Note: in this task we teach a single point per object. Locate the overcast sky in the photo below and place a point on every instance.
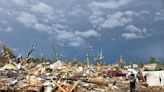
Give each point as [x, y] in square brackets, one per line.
[132, 28]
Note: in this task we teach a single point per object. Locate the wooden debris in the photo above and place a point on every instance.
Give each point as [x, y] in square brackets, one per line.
[75, 85]
[58, 85]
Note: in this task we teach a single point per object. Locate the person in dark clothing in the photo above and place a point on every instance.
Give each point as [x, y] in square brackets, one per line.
[132, 83]
[140, 77]
[114, 82]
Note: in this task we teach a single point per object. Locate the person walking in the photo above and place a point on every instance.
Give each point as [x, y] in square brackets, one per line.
[132, 83]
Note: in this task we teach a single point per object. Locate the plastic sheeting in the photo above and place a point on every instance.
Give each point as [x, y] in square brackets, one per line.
[161, 75]
[154, 78]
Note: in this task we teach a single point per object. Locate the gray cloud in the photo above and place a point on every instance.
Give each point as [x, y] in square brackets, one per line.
[42, 27]
[27, 19]
[109, 4]
[134, 29]
[74, 39]
[118, 19]
[135, 32]
[31, 21]
[159, 16]
[21, 2]
[42, 8]
[77, 10]
[69, 38]
[88, 33]
[102, 17]
[7, 29]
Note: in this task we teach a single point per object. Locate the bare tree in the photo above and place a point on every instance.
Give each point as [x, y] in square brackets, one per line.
[55, 48]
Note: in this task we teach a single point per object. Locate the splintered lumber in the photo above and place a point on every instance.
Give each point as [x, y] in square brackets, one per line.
[85, 80]
[58, 85]
[75, 85]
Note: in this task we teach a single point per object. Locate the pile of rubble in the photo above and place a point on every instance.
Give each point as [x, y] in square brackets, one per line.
[55, 77]
[23, 74]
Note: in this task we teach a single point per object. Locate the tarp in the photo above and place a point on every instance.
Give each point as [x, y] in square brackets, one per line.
[154, 78]
[161, 74]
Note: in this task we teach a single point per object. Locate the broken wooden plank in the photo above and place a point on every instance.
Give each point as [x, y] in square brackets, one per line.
[58, 85]
[75, 85]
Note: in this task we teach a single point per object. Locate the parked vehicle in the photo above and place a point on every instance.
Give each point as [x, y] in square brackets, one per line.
[116, 73]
